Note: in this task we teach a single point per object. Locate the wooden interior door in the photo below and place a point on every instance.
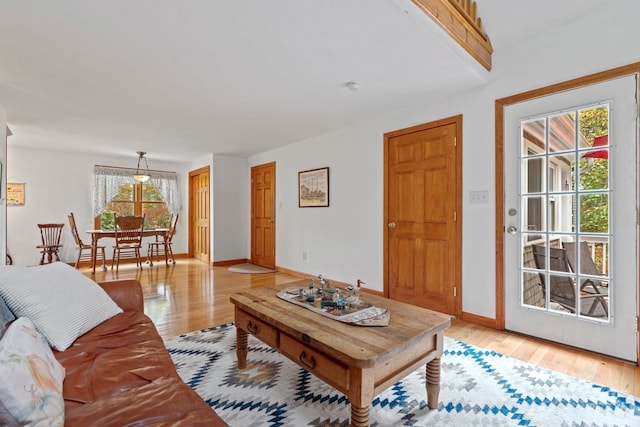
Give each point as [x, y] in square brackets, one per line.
[263, 226]
[199, 218]
[423, 215]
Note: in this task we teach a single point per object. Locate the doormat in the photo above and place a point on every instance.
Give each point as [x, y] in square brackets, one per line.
[249, 268]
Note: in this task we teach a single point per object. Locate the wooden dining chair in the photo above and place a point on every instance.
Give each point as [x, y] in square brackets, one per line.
[128, 236]
[162, 244]
[50, 241]
[84, 249]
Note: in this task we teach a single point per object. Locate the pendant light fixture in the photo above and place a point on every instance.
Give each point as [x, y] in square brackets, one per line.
[141, 176]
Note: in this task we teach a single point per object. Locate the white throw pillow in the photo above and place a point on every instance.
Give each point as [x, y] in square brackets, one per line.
[31, 387]
[61, 302]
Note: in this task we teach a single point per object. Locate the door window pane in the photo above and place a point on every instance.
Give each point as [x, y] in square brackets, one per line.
[594, 213]
[535, 213]
[560, 172]
[535, 178]
[533, 136]
[532, 290]
[562, 132]
[594, 172]
[561, 208]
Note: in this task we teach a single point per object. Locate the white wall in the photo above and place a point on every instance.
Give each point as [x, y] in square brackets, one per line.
[345, 241]
[342, 241]
[57, 183]
[231, 208]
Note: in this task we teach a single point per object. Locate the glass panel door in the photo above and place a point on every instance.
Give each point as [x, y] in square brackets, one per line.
[570, 194]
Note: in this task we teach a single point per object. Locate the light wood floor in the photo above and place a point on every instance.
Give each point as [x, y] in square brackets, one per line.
[192, 296]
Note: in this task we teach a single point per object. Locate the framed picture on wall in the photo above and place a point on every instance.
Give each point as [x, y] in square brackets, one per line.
[15, 194]
[313, 188]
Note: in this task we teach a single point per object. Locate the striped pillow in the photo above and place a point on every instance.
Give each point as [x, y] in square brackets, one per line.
[61, 302]
[6, 317]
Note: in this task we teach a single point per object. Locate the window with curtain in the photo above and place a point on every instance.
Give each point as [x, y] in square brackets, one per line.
[115, 192]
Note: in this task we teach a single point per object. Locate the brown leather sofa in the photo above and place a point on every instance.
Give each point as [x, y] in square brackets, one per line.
[120, 373]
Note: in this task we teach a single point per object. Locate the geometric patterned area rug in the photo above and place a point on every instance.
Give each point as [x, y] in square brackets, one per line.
[478, 388]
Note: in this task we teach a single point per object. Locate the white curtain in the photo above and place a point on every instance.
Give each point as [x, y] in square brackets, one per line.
[107, 181]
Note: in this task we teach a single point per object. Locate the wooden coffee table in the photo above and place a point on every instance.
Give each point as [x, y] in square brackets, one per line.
[358, 361]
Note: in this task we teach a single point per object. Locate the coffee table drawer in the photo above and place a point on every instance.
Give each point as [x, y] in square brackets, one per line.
[257, 328]
[329, 370]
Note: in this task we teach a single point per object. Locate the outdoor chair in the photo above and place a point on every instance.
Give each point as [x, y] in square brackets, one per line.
[587, 265]
[84, 249]
[50, 241]
[562, 289]
[128, 235]
[162, 244]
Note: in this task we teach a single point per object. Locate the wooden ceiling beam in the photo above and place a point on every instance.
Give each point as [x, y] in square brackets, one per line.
[460, 19]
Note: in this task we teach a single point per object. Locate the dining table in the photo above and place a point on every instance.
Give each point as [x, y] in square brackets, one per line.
[96, 235]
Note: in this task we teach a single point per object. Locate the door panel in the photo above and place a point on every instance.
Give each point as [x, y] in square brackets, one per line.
[199, 208]
[560, 219]
[422, 234]
[263, 244]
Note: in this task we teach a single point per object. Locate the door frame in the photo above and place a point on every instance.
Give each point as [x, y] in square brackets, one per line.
[500, 105]
[190, 251]
[457, 120]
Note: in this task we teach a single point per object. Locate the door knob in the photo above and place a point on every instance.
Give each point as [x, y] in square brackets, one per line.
[512, 230]
[392, 225]
[270, 220]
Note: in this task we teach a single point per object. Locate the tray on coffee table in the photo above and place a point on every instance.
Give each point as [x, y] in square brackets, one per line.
[355, 312]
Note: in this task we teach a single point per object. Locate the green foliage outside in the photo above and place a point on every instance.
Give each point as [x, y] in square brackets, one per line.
[594, 208]
[153, 207]
[594, 175]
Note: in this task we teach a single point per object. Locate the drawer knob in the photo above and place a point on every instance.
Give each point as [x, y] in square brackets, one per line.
[251, 327]
[311, 363]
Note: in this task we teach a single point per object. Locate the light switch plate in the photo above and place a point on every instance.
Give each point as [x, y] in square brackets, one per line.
[478, 197]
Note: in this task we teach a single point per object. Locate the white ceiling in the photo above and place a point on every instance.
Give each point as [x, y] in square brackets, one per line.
[182, 79]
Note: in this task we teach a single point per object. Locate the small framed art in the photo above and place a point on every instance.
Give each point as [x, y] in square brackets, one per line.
[313, 188]
[15, 194]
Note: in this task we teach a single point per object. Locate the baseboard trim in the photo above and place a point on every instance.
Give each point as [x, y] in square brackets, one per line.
[335, 283]
[372, 292]
[229, 262]
[302, 275]
[480, 320]
[294, 273]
